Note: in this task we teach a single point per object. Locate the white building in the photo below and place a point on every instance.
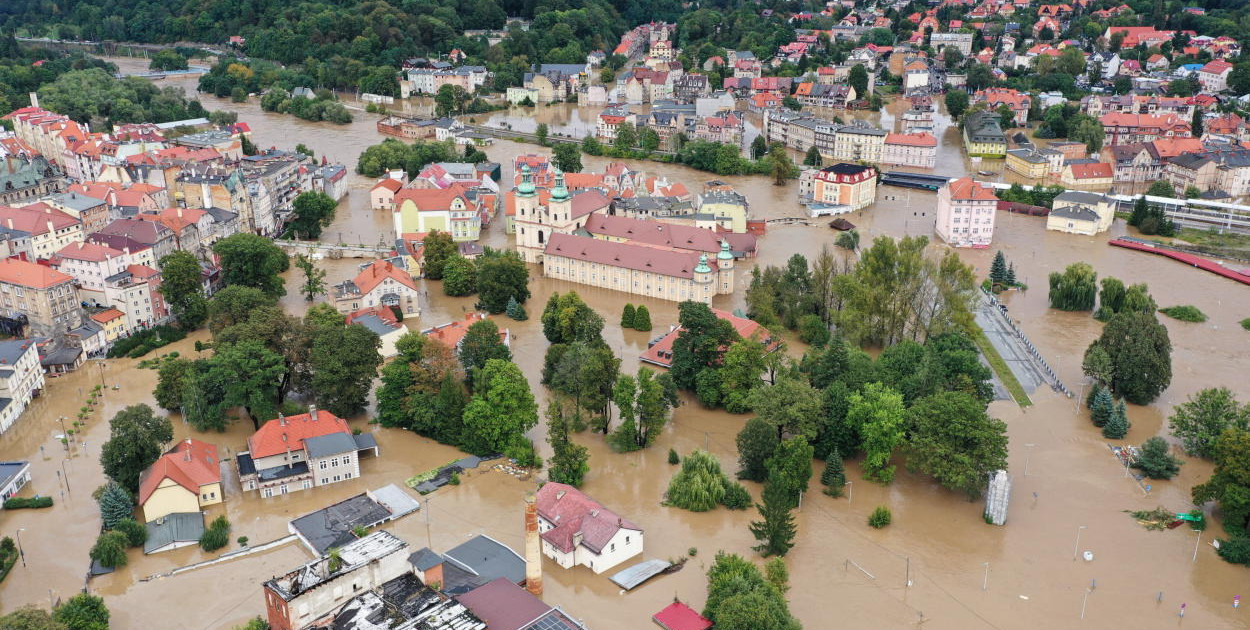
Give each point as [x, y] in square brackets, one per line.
[577, 530]
[965, 213]
[13, 476]
[90, 264]
[21, 379]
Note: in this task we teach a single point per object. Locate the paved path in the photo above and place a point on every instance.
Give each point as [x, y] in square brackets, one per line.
[1003, 337]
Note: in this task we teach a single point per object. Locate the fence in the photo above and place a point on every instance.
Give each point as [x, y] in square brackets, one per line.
[1051, 376]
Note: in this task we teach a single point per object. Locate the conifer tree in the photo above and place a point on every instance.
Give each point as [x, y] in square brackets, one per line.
[642, 318]
[1103, 408]
[998, 269]
[515, 310]
[1011, 275]
[777, 529]
[628, 316]
[834, 477]
[1117, 427]
[115, 505]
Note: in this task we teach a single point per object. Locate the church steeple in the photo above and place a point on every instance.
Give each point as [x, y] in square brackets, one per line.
[559, 193]
[526, 189]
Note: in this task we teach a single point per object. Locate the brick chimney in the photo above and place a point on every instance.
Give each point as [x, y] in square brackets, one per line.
[312, 412]
[533, 549]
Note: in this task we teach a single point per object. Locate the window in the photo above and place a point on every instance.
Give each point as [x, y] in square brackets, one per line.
[613, 547]
[347, 459]
[334, 461]
[322, 464]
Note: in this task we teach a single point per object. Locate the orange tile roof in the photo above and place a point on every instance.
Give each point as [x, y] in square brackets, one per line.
[911, 139]
[968, 189]
[282, 434]
[451, 333]
[393, 185]
[88, 251]
[107, 316]
[1096, 170]
[431, 199]
[191, 464]
[30, 275]
[378, 272]
[662, 352]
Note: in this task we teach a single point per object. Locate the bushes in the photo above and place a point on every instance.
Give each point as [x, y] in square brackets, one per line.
[145, 341]
[1236, 550]
[19, 503]
[700, 486]
[1185, 314]
[736, 496]
[673, 457]
[110, 549]
[217, 535]
[642, 318]
[135, 533]
[880, 517]
[1155, 460]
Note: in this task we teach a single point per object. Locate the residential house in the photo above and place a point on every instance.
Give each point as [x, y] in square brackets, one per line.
[23, 178]
[382, 195]
[726, 128]
[186, 479]
[834, 96]
[382, 321]
[910, 149]
[660, 352]
[688, 88]
[452, 333]
[136, 293]
[1130, 128]
[37, 301]
[1017, 102]
[112, 322]
[851, 185]
[1191, 170]
[965, 213]
[1157, 62]
[859, 142]
[147, 242]
[380, 283]
[92, 212]
[728, 209]
[13, 477]
[1214, 76]
[1028, 163]
[1086, 174]
[916, 75]
[577, 530]
[90, 263]
[959, 41]
[295, 453]
[39, 230]
[1079, 212]
[449, 210]
[983, 135]
[21, 380]
[1134, 35]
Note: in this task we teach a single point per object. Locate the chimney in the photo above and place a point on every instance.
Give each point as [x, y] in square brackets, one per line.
[281, 420]
[533, 550]
[312, 412]
[34, 99]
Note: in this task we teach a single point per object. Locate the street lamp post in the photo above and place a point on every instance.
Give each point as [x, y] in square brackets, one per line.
[1027, 454]
[64, 433]
[66, 475]
[1197, 541]
[102, 365]
[985, 583]
[1078, 541]
[20, 552]
[849, 496]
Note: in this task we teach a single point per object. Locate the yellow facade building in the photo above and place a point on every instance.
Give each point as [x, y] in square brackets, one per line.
[184, 480]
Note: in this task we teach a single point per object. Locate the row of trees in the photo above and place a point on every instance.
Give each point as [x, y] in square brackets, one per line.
[498, 276]
[322, 106]
[80, 612]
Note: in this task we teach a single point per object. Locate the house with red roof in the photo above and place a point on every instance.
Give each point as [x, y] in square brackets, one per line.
[1134, 35]
[186, 479]
[288, 454]
[452, 333]
[678, 616]
[46, 228]
[453, 209]
[1214, 76]
[1085, 174]
[661, 352]
[44, 298]
[1016, 101]
[965, 213]
[577, 530]
[380, 283]
[382, 195]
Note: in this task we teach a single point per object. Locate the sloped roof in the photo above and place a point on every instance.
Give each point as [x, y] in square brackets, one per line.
[659, 233]
[968, 189]
[638, 256]
[28, 274]
[280, 434]
[1096, 170]
[373, 275]
[190, 463]
[88, 251]
[572, 512]
[678, 616]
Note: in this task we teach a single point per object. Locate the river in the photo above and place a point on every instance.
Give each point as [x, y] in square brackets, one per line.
[938, 538]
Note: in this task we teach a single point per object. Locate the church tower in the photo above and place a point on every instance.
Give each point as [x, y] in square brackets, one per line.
[725, 268]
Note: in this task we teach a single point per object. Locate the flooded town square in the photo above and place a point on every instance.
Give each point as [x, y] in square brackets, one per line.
[938, 566]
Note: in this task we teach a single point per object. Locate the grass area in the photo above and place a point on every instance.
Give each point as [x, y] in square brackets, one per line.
[1185, 313]
[1245, 323]
[1000, 367]
[1211, 238]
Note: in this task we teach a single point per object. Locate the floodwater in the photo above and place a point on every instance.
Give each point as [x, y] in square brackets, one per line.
[938, 538]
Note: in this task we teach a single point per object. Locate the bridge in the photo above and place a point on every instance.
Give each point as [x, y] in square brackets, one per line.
[921, 181]
[316, 249]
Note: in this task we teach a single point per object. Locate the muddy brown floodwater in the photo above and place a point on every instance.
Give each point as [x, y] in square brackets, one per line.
[938, 538]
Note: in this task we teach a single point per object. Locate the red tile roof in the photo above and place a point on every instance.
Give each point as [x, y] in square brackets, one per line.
[968, 189]
[662, 352]
[432, 199]
[637, 256]
[504, 605]
[30, 275]
[678, 616]
[451, 333]
[393, 185]
[280, 434]
[911, 139]
[571, 512]
[1096, 170]
[37, 218]
[191, 464]
[379, 271]
[88, 251]
[107, 316]
[671, 235]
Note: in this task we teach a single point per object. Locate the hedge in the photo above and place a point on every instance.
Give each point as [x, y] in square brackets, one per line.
[18, 503]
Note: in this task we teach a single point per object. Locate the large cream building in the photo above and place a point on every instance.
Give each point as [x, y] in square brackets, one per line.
[661, 272]
[535, 223]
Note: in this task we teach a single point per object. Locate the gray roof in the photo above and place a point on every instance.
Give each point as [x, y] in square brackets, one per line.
[327, 445]
[179, 527]
[11, 351]
[221, 215]
[76, 201]
[364, 441]
[1076, 196]
[332, 526]
[1028, 155]
[375, 324]
[1075, 212]
[424, 558]
[9, 470]
[488, 559]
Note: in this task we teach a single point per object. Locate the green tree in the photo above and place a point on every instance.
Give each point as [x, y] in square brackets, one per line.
[642, 318]
[115, 505]
[701, 342]
[439, 249]
[480, 345]
[813, 158]
[344, 362]
[515, 310]
[110, 550]
[135, 533]
[566, 318]
[541, 133]
[170, 382]
[312, 212]
[586, 372]
[858, 79]
[136, 439]
[776, 530]
[182, 286]
[740, 597]
[792, 406]
[1203, 417]
[30, 618]
[1117, 426]
[998, 268]
[627, 316]
[1087, 129]
[235, 305]
[879, 413]
[501, 276]
[956, 102]
[1155, 460]
[645, 401]
[956, 442]
[780, 165]
[167, 60]
[450, 100]
[460, 276]
[626, 137]
[1075, 289]
[253, 375]
[699, 486]
[790, 468]
[569, 461]
[567, 157]
[83, 611]
[502, 409]
[759, 147]
[1161, 188]
[1196, 123]
[834, 476]
[414, 384]
[591, 146]
[1102, 409]
[1097, 365]
[1230, 482]
[757, 442]
[314, 278]
[252, 261]
[648, 139]
[740, 374]
[1141, 356]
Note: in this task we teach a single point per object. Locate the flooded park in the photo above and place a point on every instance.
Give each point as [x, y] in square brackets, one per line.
[938, 565]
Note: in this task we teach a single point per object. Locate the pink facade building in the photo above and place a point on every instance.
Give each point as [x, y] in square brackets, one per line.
[965, 213]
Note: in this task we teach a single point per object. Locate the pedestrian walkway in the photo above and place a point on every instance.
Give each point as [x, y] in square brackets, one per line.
[1021, 356]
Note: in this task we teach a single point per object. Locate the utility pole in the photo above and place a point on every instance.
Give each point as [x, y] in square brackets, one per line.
[428, 538]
